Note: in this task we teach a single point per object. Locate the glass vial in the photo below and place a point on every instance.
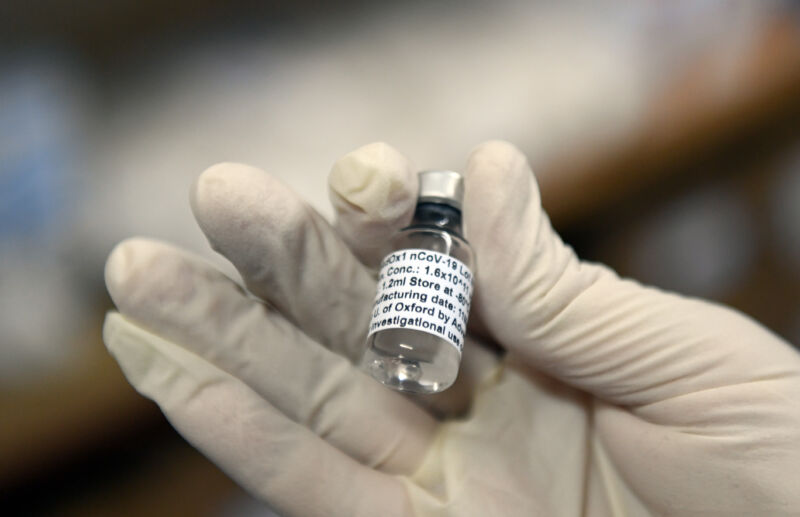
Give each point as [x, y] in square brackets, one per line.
[419, 317]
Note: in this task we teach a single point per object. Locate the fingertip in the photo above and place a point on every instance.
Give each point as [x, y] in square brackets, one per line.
[217, 193]
[157, 367]
[375, 180]
[124, 342]
[123, 266]
[144, 275]
[493, 149]
[240, 207]
[111, 329]
[373, 191]
[497, 164]
[500, 193]
[130, 346]
[116, 268]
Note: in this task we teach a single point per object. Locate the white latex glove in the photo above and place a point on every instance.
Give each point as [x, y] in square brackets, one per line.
[613, 398]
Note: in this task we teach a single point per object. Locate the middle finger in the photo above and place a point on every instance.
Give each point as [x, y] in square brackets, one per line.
[287, 254]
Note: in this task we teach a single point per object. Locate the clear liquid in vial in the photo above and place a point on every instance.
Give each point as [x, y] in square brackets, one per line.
[413, 360]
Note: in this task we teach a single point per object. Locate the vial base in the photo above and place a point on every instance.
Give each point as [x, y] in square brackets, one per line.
[411, 360]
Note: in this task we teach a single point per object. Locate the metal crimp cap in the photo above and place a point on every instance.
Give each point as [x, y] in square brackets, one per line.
[445, 187]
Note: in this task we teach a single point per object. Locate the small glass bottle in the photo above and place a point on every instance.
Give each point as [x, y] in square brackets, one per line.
[419, 317]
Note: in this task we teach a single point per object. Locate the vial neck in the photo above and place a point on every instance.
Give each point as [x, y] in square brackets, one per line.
[439, 216]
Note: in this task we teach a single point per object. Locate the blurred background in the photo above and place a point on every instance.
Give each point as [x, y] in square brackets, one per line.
[665, 138]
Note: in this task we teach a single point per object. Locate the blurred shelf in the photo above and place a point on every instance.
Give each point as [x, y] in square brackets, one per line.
[696, 115]
[104, 30]
[86, 443]
[56, 420]
[178, 482]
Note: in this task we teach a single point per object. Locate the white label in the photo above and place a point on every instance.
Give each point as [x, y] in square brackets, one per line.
[423, 290]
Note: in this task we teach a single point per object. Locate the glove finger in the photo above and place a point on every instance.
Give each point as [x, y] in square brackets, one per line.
[286, 253]
[581, 323]
[188, 302]
[373, 191]
[271, 456]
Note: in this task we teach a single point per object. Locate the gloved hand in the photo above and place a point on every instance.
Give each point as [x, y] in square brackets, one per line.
[612, 399]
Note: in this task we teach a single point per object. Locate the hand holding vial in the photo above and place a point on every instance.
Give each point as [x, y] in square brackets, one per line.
[607, 397]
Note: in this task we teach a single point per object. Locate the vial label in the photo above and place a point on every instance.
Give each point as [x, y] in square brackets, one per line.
[423, 290]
